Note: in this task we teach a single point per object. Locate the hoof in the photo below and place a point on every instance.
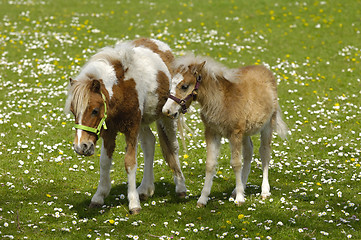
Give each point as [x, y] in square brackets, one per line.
[95, 205]
[265, 196]
[200, 205]
[134, 211]
[143, 197]
[182, 194]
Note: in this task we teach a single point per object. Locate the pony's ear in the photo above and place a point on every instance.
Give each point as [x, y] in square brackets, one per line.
[95, 86]
[71, 81]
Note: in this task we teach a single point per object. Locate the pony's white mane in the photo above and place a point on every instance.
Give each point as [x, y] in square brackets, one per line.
[213, 69]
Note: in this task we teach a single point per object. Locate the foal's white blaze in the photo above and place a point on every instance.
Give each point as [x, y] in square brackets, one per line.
[171, 107]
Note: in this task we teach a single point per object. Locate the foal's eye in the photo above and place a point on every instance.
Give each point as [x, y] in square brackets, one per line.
[95, 111]
[185, 86]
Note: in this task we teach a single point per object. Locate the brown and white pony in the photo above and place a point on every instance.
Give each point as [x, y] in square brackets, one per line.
[235, 103]
[123, 89]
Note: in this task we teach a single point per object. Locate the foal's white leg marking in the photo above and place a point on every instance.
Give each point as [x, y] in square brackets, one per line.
[104, 182]
[147, 142]
[167, 131]
[213, 145]
[265, 153]
[236, 163]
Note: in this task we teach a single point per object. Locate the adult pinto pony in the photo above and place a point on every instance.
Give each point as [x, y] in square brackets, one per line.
[235, 103]
[123, 89]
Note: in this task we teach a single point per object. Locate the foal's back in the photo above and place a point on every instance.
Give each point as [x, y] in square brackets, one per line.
[252, 98]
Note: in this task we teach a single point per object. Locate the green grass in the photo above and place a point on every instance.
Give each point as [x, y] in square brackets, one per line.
[313, 47]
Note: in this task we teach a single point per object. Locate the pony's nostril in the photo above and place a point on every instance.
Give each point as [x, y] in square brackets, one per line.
[175, 115]
[84, 146]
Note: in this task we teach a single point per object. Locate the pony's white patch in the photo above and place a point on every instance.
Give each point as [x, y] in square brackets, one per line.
[161, 45]
[101, 70]
[143, 65]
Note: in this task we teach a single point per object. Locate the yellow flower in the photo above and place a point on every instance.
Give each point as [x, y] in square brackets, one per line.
[48, 195]
[111, 221]
[185, 156]
[240, 216]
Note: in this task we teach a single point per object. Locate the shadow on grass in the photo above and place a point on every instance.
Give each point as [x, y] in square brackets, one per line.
[118, 199]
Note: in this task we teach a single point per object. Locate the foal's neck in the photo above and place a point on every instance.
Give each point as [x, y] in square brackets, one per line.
[210, 91]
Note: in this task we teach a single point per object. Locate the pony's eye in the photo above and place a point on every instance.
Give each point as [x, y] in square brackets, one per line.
[185, 86]
[95, 111]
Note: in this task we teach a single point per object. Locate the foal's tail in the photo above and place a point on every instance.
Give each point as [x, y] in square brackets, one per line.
[280, 126]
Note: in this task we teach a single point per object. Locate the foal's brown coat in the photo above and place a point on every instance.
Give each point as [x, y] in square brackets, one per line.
[235, 103]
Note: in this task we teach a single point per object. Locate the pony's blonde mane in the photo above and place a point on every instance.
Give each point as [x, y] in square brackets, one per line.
[211, 69]
[78, 97]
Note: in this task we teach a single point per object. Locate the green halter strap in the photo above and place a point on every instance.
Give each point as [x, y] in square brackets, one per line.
[101, 123]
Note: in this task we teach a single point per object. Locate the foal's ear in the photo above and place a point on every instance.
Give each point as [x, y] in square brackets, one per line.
[200, 66]
[71, 81]
[95, 86]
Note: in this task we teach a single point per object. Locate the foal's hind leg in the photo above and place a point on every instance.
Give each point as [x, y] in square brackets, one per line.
[247, 151]
[147, 142]
[167, 131]
[236, 163]
[265, 153]
[104, 186]
[213, 141]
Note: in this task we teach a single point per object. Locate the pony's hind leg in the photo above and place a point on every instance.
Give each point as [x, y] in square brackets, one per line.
[236, 163]
[213, 141]
[247, 151]
[147, 142]
[265, 153]
[167, 131]
[104, 186]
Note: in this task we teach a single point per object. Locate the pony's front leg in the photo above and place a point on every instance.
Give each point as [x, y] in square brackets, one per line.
[130, 163]
[104, 186]
[213, 141]
[147, 142]
[236, 163]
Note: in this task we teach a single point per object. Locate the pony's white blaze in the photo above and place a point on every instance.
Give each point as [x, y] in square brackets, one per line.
[171, 107]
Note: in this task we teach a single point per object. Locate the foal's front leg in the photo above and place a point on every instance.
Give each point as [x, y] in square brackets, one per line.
[104, 186]
[213, 141]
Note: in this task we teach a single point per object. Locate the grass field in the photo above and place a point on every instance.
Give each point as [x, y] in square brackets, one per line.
[313, 48]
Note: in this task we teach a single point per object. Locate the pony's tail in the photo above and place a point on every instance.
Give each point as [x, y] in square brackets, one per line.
[281, 126]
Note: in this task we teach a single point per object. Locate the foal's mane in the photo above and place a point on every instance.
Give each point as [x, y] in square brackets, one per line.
[211, 69]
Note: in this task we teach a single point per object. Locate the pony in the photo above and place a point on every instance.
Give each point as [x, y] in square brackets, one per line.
[236, 104]
[123, 89]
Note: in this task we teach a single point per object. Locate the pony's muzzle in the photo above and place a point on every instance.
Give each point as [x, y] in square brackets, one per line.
[86, 149]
